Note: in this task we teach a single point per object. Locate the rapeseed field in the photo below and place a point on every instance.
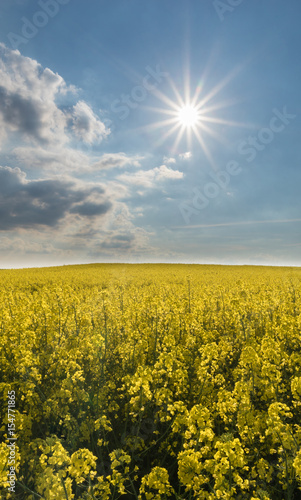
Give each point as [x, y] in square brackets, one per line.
[150, 382]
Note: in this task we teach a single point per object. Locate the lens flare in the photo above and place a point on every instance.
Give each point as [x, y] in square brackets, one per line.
[188, 116]
[193, 115]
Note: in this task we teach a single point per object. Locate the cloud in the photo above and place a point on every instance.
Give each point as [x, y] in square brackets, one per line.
[53, 213]
[27, 99]
[90, 209]
[59, 159]
[118, 243]
[116, 160]
[85, 124]
[21, 114]
[28, 104]
[149, 178]
[45, 202]
[169, 160]
[123, 241]
[185, 156]
[163, 173]
[117, 237]
[65, 159]
[22, 246]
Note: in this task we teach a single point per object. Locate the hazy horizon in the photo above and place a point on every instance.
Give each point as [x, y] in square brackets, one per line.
[147, 263]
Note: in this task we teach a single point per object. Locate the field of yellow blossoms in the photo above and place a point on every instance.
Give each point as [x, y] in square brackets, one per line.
[150, 382]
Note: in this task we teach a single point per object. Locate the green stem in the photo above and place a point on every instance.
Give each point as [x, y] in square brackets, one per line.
[66, 494]
[27, 489]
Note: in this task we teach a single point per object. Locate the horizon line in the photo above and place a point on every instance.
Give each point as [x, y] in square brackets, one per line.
[149, 263]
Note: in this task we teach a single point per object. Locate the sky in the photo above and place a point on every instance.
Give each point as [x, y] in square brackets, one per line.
[150, 131]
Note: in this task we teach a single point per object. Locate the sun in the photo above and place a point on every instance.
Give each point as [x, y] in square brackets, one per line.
[188, 116]
[193, 115]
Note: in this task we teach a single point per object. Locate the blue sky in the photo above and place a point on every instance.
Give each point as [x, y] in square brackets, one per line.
[97, 162]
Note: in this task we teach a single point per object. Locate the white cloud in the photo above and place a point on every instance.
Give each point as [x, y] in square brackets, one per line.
[55, 160]
[185, 156]
[65, 159]
[116, 160]
[169, 160]
[86, 126]
[164, 172]
[149, 178]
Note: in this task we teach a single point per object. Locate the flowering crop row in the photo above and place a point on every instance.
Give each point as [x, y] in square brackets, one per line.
[151, 382]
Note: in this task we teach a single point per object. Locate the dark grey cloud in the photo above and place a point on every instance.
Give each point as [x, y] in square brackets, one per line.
[46, 202]
[21, 113]
[90, 209]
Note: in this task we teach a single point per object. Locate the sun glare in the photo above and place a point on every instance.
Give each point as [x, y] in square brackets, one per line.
[188, 116]
[193, 116]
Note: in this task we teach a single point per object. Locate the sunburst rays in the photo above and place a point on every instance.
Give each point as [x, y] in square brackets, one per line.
[193, 117]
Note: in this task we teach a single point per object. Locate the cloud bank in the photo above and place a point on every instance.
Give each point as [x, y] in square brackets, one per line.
[28, 104]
